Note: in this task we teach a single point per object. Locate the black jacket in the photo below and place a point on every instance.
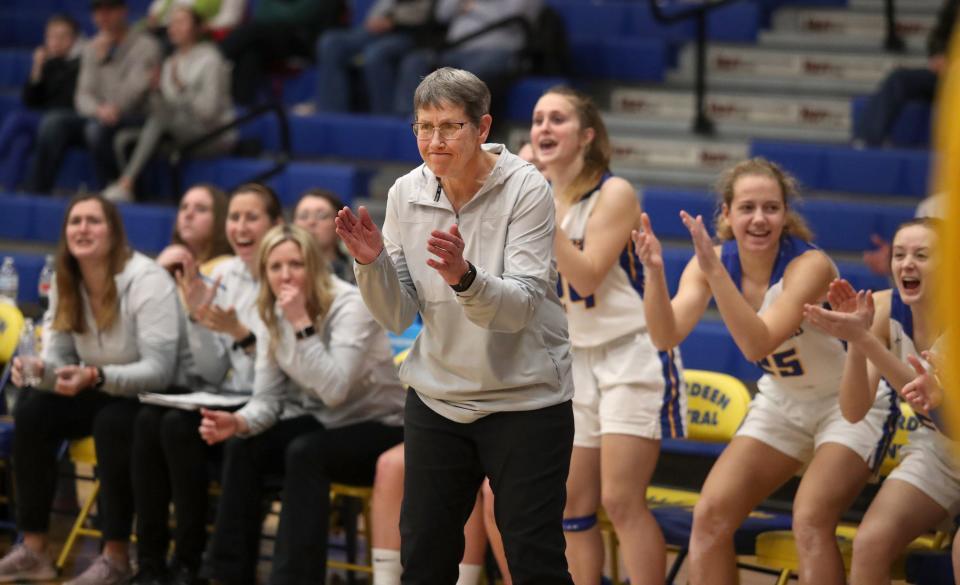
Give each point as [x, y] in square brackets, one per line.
[56, 86]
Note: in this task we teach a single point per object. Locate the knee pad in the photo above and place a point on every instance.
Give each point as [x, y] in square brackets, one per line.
[579, 524]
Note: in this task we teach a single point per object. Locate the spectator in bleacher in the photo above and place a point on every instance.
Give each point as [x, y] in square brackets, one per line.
[115, 72]
[326, 403]
[903, 85]
[886, 333]
[315, 212]
[112, 332]
[490, 372]
[199, 235]
[279, 30]
[50, 87]
[190, 98]
[219, 16]
[171, 461]
[761, 275]
[389, 31]
[490, 56]
[627, 394]
[385, 507]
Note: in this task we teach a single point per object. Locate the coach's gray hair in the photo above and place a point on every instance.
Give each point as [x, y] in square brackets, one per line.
[455, 87]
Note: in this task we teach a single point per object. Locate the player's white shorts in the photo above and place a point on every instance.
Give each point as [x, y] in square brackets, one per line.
[798, 427]
[627, 387]
[929, 464]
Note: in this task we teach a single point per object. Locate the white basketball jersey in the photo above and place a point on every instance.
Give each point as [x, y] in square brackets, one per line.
[901, 340]
[810, 363]
[615, 309]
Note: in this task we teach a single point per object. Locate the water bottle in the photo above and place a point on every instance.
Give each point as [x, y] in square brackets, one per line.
[9, 281]
[27, 351]
[46, 280]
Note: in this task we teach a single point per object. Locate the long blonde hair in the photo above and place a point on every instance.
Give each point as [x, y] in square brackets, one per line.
[795, 225]
[69, 312]
[596, 155]
[319, 292]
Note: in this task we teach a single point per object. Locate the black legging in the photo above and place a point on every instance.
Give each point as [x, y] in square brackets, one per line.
[310, 457]
[170, 463]
[43, 420]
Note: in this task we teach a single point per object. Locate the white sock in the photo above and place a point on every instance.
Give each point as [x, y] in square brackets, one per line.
[469, 574]
[386, 566]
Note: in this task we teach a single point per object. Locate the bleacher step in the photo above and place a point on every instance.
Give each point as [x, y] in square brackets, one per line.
[929, 6]
[739, 61]
[845, 22]
[803, 118]
[851, 43]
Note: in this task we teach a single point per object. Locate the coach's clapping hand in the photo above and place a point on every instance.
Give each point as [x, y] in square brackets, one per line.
[448, 249]
[359, 234]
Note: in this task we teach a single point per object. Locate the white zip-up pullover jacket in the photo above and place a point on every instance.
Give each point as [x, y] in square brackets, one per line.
[501, 345]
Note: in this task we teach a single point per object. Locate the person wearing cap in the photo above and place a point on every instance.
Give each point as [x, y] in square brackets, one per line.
[116, 68]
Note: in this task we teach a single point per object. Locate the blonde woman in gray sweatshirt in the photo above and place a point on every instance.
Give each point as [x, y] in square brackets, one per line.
[112, 332]
[191, 97]
[326, 403]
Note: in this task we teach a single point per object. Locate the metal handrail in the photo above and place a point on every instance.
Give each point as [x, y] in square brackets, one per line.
[280, 159]
[702, 124]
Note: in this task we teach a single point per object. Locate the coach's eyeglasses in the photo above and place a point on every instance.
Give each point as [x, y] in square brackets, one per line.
[447, 130]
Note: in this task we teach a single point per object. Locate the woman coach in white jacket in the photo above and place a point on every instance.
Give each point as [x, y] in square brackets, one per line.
[468, 243]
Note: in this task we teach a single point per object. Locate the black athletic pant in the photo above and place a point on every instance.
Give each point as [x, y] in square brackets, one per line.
[310, 457]
[43, 420]
[171, 463]
[525, 454]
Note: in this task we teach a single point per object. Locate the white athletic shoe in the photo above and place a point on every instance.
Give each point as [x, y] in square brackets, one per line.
[118, 194]
[102, 572]
[22, 564]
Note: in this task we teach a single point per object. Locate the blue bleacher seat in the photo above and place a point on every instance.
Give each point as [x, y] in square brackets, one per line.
[47, 219]
[710, 347]
[847, 226]
[76, 171]
[860, 276]
[604, 58]
[674, 261]
[663, 205]
[21, 29]
[380, 138]
[592, 19]
[736, 22]
[525, 93]
[346, 181]
[14, 67]
[302, 87]
[846, 169]
[148, 226]
[17, 217]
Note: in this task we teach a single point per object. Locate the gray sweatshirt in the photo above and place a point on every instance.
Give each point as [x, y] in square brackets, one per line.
[122, 78]
[139, 353]
[501, 345]
[468, 16]
[343, 375]
[197, 85]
